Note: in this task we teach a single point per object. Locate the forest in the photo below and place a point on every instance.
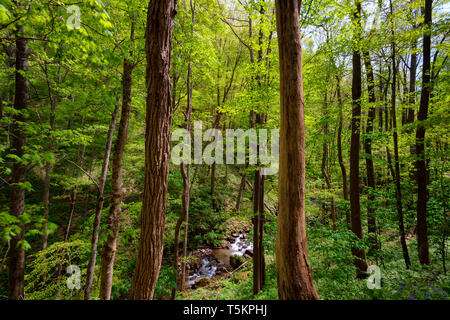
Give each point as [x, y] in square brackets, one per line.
[224, 149]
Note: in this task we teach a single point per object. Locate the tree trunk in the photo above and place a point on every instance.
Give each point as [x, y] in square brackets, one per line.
[19, 170]
[99, 206]
[161, 14]
[48, 165]
[339, 150]
[371, 223]
[421, 166]
[259, 269]
[398, 190]
[294, 273]
[115, 210]
[325, 172]
[355, 206]
[185, 170]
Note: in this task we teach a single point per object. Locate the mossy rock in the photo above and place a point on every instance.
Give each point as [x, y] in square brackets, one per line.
[236, 261]
[202, 282]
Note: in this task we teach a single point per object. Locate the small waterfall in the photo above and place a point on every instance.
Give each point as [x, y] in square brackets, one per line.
[207, 269]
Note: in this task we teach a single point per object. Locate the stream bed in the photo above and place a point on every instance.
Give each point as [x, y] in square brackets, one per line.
[208, 267]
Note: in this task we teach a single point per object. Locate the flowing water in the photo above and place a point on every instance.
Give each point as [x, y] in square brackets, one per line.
[208, 269]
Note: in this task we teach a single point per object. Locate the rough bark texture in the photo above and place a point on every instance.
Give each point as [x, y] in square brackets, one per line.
[160, 21]
[115, 210]
[421, 166]
[294, 273]
[371, 223]
[19, 171]
[355, 206]
[99, 205]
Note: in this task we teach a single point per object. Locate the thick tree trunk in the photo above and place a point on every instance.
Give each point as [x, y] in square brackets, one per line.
[371, 223]
[115, 210]
[19, 170]
[294, 273]
[161, 14]
[421, 166]
[355, 206]
[99, 206]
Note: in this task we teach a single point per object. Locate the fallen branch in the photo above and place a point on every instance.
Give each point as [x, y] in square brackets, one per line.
[85, 172]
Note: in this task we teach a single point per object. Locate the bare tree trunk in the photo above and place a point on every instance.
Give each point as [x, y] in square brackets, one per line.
[99, 206]
[259, 272]
[371, 223]
[241, 192]
[161, 14]
[359, 254]
[339, 150]
[185, 170]
[19, 170]
[421, 166]
[115, 210]
[48, 165]
[325, 172]
[398, 190]
[294, 273]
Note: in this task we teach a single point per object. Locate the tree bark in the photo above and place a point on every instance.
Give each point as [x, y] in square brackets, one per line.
[19, 170]
[325, 172]
[185, 170]
[421, 165]
[115, 210]
[339, 150]
[99, 206]
[294, 273]
[371, 223]
[398, 190]
[355, 206]
[54, 97]
[160, 22]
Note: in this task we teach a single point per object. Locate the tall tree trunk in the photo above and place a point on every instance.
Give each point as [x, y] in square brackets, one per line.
[339, 150]
[160, 21]
[54, 97]
[325, 172]
[19, 170]
[355, 206]
[99, 206]
[185, 170]
[371, 223]
[294, 273]
[421, 166]
[412, 84]
[398, 190]
[115, 210]
[259, 269]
